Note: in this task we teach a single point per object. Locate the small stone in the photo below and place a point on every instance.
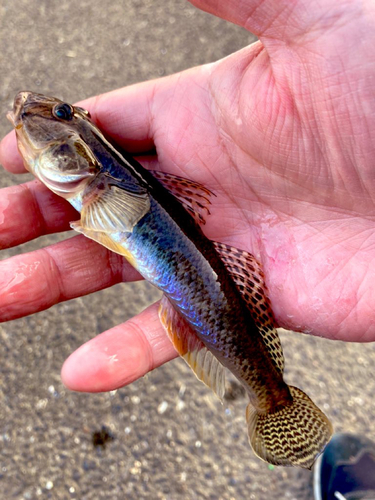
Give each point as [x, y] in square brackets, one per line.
[182, 390]
[180, 405]
[41, 404]
[162, 408]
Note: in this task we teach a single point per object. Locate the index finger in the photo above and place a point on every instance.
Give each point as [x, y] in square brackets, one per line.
[120, 355]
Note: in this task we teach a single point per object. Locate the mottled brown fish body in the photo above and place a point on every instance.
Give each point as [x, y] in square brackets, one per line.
[215, 307]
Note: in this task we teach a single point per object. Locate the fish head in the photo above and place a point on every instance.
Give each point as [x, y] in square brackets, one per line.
[51, 139]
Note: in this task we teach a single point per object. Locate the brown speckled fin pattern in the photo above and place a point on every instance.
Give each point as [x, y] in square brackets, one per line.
[295, 434]
[194, 197]
[204, 364]
[247, 274]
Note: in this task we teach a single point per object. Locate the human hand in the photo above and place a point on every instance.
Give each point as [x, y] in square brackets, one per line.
[282, 132]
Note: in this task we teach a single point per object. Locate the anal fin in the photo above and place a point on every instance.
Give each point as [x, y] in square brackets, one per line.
[203, 363]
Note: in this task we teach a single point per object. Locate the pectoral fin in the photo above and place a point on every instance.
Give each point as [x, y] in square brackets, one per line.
[110, 208]
[204, 364]
[105, 240]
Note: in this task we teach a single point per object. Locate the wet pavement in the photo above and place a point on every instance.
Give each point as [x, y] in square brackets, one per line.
[165, 436]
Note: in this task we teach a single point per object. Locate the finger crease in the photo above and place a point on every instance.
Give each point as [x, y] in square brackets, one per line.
[145, 344]
[55, 281]
[38, 217]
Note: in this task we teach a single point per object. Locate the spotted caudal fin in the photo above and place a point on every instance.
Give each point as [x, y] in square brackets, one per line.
[292, 435]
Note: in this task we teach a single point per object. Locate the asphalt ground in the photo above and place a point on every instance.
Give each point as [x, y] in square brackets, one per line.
[165, 436]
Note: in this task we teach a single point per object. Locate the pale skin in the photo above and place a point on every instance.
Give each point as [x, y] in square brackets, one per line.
[283, 132]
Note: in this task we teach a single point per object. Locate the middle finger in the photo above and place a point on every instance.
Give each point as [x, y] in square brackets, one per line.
[77, 266]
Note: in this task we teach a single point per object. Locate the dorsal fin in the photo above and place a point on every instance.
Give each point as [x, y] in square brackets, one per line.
[193, 196]
[247, 274]
[192, 350]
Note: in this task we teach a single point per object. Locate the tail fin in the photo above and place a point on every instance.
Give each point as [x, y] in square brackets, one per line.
[293, 435]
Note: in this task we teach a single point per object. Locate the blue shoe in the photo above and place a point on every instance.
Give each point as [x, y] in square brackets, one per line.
[346, 469]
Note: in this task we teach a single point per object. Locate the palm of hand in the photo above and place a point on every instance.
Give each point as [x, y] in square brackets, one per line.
[292, 171]
[286, 146]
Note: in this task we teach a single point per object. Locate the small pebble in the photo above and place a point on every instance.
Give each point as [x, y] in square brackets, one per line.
[162, 407]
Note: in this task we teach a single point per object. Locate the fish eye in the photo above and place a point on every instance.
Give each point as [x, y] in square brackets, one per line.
[63, 111]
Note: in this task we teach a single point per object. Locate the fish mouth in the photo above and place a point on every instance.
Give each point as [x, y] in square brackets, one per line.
[15, 115]
[11, 118]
